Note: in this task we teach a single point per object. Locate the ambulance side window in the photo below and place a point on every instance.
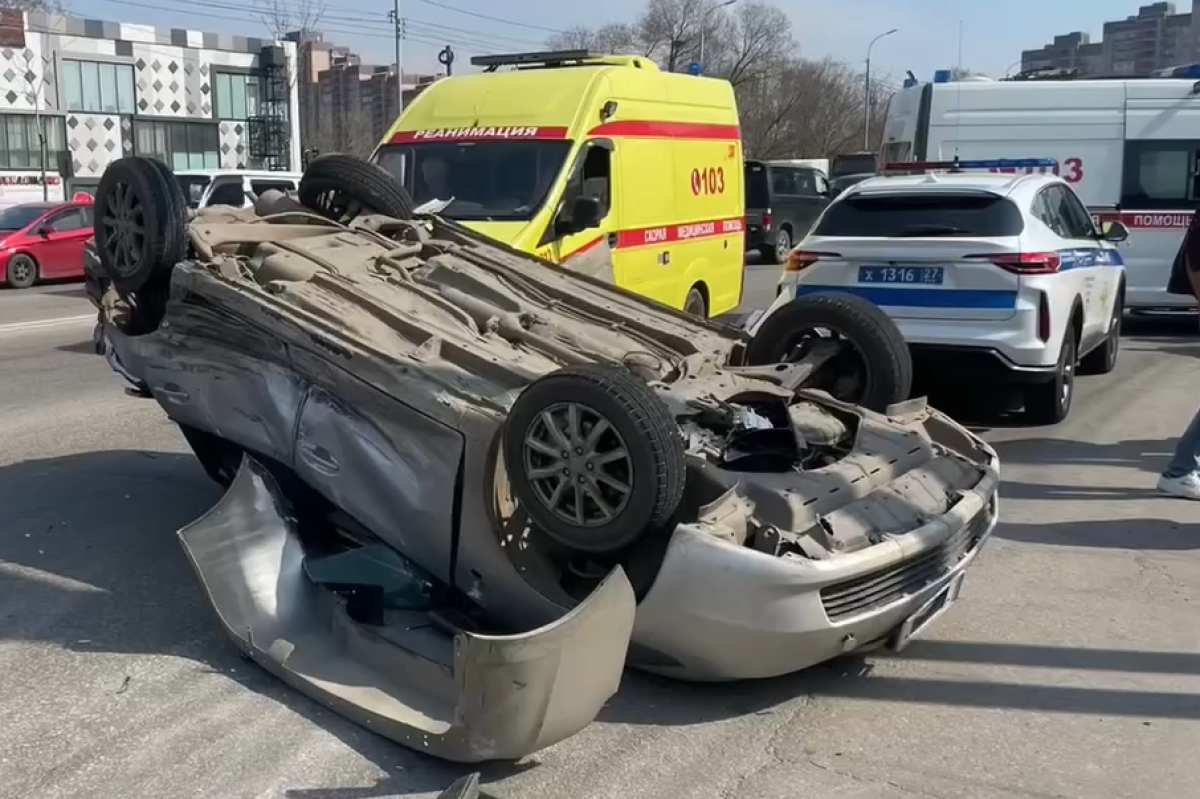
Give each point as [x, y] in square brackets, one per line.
[1161, 174]
[593, 180]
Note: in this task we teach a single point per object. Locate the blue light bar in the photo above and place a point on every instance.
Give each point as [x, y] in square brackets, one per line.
[1189, 71]
[992, 163]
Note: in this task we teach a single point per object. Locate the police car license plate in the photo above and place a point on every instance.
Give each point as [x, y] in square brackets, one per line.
[917, 275]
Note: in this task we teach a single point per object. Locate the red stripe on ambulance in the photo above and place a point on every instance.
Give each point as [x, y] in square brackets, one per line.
[648, 129]
[1160, 220]
[673, 234]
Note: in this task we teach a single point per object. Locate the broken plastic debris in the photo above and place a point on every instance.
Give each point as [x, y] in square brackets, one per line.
[434, 206]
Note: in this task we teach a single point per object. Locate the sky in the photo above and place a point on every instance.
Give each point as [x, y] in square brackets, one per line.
[993, 34]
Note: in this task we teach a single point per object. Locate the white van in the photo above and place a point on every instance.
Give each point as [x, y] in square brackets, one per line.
[236, 187]
[1129, 148]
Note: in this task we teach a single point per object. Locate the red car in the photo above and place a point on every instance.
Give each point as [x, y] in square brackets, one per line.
[43, 241]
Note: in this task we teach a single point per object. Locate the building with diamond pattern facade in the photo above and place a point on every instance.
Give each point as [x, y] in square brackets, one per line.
[101, 90]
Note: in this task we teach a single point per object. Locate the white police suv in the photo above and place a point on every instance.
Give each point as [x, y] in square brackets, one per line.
[990, 274]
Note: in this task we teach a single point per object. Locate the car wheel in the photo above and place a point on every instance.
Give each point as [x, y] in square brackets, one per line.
[872, 365]
[22, 272]
[1050, 402]
[342, 187]
[695, 304]
[783, 245]
[139, 231]
[594, 457]
[1103, 359]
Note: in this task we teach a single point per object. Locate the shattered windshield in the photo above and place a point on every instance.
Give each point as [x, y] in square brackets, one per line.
[492, 181]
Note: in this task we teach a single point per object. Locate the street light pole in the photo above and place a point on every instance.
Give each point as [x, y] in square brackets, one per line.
[398, 32]
[704, 27]
[867, 92]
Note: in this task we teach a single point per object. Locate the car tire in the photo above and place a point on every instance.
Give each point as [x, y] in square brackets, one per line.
[616, 482]
[1103, 359]
[22, 272]
[783, 245]
[342, 187]
[878, 348]
[695, 304]
[1049, 403]
[134, 195]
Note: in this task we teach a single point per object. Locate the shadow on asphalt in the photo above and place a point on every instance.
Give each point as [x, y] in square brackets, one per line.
[117, 533]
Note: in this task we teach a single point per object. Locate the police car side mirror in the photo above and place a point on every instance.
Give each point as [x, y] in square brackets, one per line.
[1114, 232]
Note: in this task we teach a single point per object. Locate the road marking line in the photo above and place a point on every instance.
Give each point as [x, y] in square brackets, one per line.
[41, 324]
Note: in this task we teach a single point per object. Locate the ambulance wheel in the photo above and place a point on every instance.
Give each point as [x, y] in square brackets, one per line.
[1050, 402]
[342, 187]
[872, 366]
[695, 304]
[1103, 359]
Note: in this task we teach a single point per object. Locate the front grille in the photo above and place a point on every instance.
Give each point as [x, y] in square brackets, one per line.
[885, 586]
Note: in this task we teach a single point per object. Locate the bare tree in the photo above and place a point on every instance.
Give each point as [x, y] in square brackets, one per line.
[788, 106]
[617, 38]
[45, 6]
[284, 16]
[352, 133]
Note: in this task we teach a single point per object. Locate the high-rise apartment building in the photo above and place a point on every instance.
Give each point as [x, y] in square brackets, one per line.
[346, 105]
[1156, 38]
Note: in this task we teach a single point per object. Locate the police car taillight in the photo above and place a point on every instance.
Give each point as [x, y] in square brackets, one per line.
[1022, 263]
[802, 259]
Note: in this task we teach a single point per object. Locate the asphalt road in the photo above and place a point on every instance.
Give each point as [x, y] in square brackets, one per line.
[1070, 668]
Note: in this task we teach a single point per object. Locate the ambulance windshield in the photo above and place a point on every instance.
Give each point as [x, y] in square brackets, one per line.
[490, 181]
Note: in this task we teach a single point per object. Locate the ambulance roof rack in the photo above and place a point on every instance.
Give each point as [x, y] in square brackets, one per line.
[540, 59]
[956, 165]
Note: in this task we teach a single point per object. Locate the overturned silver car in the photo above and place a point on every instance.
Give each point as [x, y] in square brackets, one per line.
[465, 486]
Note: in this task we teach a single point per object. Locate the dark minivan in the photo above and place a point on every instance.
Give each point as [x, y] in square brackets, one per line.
[782, 202]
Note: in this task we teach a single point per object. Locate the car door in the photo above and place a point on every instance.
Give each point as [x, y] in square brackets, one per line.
[809, 200]
[59, 252]
[786, 212]
[591, 179]
[1085, 267]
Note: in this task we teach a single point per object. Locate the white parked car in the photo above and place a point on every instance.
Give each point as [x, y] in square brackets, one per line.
[995, 276]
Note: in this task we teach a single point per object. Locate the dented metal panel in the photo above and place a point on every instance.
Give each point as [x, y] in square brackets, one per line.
[465, 697]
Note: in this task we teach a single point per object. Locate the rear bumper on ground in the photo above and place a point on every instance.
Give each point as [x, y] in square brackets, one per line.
[462, 697]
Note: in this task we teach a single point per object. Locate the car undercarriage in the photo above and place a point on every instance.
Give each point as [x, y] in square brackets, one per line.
[465, 486]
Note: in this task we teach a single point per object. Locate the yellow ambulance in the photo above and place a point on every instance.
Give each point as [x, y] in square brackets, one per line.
[556, 153]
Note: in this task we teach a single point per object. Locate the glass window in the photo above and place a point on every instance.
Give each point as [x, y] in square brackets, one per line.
[1076, 219]
[757, 194]
[1160, 174]
[237, 95]
[228, 192]
[18, 143]
[911, 215]
[108, 88]
[98, 87]
[69, 220]
[783, 181]
[805, 183]
[488, 180]
[181, 145]
[72, 84]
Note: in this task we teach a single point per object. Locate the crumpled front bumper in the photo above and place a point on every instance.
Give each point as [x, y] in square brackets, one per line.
[721, 612]
[472, 698]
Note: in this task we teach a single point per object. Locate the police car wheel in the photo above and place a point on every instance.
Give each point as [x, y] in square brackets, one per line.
[342, 187]
[1050, 402]
[873, 365]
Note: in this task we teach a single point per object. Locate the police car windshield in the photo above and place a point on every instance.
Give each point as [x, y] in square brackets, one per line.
[921, 214]
[490, 181]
